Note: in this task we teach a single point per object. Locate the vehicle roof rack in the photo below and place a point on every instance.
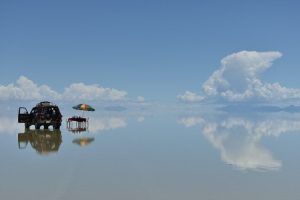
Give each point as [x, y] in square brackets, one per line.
[45, 103]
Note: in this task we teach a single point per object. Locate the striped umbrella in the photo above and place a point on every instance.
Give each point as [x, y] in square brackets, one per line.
[84, 107]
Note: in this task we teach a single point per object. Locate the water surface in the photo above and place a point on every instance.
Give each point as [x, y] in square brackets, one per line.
[168, 155]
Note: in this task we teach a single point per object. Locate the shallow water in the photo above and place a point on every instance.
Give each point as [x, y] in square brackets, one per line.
[179, 155]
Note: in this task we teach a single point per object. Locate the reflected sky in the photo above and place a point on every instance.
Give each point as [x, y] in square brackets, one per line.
[109, 123]
[9, 125]
[238, 138]
[188, 153]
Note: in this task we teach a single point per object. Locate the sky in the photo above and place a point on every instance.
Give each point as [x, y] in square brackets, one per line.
[148, 50]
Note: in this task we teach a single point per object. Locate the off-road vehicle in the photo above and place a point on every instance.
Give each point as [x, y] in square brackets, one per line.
[43, 114]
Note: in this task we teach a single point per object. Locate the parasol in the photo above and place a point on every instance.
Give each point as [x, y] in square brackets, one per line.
[84, 107]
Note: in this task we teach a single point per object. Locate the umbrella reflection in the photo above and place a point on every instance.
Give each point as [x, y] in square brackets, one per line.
[83, 141]
[43, 141]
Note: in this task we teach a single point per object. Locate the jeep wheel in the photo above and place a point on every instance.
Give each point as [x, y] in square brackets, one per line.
[37, 126]
[27, 126]
[56, 126]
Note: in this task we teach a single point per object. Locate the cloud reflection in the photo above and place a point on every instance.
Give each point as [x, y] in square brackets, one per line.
[103, 124]
[9, 125]
[141, 119]
[239, 138]
[190, 121]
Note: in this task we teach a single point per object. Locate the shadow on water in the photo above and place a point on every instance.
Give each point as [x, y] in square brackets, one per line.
[43, 141]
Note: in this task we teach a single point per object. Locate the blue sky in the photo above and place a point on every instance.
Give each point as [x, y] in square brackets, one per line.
[154, 49]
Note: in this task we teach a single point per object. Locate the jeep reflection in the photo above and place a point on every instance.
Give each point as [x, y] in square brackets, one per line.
[43, 114]
[43, 141]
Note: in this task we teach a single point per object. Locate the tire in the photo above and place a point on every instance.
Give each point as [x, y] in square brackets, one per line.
[56, 126]
[27, 126]
[37, 126]
[46, 126]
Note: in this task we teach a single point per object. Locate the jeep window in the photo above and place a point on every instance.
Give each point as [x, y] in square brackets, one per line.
[33, 111]
[23, 111]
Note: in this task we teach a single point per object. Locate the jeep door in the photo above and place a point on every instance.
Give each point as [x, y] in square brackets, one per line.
[23, 115]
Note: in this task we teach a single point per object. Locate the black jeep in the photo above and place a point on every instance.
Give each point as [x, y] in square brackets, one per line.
[43, 114]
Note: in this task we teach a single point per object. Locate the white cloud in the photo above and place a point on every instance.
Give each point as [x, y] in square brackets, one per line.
[140, 99]
[141, 119]
[92, 92]
[239, 139]
[239, 145]
[10, 126]
[26, 89]
[189, 97]
[190, 121]
[104, 124]
[238, 79]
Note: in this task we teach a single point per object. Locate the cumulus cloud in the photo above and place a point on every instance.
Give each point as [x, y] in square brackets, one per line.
[26, 89]
[190, 121]
[242, 149]
[140, 99]
[239, 139]
[104, 124]
[189, 97]
[141, 119]
[10, 126]
[92, 92]
[238, 79]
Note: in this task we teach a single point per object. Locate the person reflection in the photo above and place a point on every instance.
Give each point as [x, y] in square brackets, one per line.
[43, 141]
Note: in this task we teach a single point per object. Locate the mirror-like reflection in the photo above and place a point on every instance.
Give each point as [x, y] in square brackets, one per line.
[9, 125]
[159, 158]
[96, 125]
[77, 129]
[77, 124]
[43, 141]
[106, 123]
[48, 141]
[83, 141]
[239, 138]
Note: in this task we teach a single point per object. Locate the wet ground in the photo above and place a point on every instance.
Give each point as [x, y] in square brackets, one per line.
[163, 156]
